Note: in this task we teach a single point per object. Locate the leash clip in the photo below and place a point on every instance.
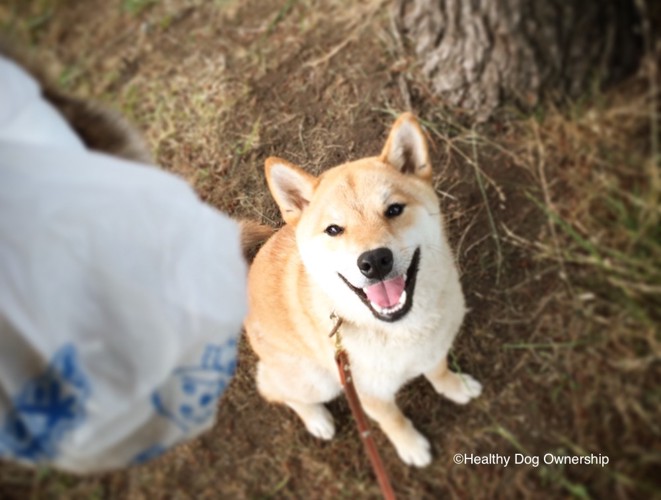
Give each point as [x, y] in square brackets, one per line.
[335, 332]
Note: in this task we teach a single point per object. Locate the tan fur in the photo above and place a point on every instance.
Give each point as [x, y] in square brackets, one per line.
[302, 275]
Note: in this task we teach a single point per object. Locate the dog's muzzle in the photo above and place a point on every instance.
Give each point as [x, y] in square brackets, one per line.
[388, 300]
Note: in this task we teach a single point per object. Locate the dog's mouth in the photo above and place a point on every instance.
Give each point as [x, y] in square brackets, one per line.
[391, 299]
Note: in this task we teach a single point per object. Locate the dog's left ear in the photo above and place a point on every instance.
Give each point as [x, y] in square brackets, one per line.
[406, 148]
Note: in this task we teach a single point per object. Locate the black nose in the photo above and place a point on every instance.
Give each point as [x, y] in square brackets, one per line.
[375, 263]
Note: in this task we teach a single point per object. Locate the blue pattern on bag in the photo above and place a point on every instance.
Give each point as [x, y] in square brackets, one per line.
[189, 397]
[46, 409]
[148, 454]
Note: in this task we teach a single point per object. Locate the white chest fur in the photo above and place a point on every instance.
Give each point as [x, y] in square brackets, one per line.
[381, 365]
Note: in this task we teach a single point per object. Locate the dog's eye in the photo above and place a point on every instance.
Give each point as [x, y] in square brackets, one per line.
[334, 230]
[394, 210]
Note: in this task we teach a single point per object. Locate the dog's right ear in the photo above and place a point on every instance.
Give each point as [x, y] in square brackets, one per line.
[291, 187]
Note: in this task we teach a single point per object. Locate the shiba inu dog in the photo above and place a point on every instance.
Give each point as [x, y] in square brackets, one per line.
[365, 240]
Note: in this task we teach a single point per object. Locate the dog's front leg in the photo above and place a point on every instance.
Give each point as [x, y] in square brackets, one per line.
[457, 387]
[412, 447]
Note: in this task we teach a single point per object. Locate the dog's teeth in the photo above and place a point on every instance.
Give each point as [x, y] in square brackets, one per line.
[393, 309]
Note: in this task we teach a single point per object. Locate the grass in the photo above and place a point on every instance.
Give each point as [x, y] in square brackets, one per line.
[492, 224]
[135, 7]
[614, 230]
[606, 237]
[554, 216]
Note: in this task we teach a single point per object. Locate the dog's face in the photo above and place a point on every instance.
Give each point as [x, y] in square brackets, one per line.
[366, 229]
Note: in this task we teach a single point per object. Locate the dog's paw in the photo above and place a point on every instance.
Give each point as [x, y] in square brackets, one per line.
[462, 389]
[414, 449]
[321, 424]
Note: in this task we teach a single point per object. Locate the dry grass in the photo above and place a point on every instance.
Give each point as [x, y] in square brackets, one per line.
[555, 219]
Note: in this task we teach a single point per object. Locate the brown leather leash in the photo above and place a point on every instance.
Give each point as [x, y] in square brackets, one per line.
[344, 368]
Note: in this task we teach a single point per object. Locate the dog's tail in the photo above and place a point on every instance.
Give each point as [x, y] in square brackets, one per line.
[253, 236]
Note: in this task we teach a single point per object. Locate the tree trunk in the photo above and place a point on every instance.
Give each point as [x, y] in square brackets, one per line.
[481, 54]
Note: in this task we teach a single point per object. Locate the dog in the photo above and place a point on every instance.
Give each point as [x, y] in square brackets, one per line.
[364, 241]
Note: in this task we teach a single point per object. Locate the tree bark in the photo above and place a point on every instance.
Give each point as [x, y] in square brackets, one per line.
[481, 54]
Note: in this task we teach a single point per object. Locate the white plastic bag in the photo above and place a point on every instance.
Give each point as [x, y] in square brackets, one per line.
[121, 297]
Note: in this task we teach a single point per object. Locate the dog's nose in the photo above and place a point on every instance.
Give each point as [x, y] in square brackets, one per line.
[376, 263]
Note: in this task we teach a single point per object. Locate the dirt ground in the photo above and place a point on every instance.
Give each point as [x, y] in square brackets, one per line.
[554, 217]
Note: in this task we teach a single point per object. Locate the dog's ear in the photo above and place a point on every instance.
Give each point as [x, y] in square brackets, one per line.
[406, 148]
[291, 187]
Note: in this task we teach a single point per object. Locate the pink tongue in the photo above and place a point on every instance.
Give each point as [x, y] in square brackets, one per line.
[386, 293]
